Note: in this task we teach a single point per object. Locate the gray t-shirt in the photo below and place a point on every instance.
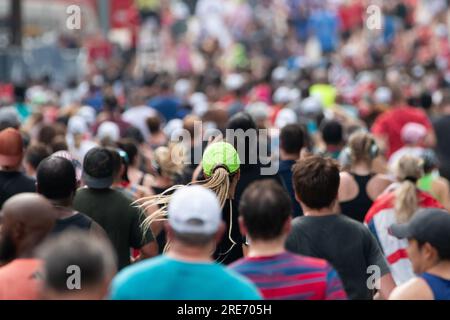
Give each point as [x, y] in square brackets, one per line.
[346, 244]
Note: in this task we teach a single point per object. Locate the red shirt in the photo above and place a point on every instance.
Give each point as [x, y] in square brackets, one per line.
[19, 280]
[390, 123]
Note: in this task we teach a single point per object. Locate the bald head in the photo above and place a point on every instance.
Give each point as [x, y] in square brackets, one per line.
[27, 218]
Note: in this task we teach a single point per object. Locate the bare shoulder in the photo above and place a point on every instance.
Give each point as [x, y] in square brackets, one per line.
[346, 187]
[442, 183]
[414, 289]
[377, 185]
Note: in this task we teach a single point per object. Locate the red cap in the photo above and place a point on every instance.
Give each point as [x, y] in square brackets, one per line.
[11, 147]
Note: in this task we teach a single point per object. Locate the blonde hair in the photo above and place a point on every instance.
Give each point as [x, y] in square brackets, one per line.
[169, 160]
[362, 147]
[219, 182]
[408, 169]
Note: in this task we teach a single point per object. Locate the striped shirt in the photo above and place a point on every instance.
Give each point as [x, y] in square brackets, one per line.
[292, 277]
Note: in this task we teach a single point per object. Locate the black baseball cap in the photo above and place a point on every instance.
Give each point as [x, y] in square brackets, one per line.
[427, 225]
[98, 168]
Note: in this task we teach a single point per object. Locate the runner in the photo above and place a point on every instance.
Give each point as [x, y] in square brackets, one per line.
[428, 236]
[194, 225]
[324, 233]
[265, 218]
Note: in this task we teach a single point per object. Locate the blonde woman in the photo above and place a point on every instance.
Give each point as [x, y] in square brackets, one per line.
[220, 166]
[360, 185]
[398, 206]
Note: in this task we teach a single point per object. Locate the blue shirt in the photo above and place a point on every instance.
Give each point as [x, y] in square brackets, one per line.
[164, 278]
[167, 106]
[439, 286]
[285, 172]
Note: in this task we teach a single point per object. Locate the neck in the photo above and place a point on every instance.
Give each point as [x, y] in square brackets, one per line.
[361, 168]
[319, 212]
[262, 248]
[441, 269]
[289, 156]
[180, 251]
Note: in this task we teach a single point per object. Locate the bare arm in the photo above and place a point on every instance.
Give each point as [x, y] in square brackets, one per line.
[415, 289]
[387, 285]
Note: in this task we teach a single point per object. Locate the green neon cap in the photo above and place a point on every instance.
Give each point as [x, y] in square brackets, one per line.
[220, 154]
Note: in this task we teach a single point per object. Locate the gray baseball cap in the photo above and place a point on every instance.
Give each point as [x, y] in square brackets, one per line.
[427, 225]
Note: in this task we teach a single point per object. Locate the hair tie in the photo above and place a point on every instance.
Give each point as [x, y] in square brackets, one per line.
[412, 179]
[221, 166]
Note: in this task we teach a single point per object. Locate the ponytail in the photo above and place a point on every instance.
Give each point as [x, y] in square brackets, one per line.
[219, 182]
[406, 202]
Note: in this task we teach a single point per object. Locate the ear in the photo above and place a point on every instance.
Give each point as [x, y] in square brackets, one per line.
[429, 252]
[37, 187]
[242, 227]
[18, 232]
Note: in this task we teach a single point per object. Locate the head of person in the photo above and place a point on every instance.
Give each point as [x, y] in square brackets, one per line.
[192, 125]
[11, 149]
[34, 154]
[428, 234]
[59, 144]
[26, 219]
[98, 168]
[408, 170]
[243, 126]
[430, 161]
[194, 218]
[154, 124]
[265, 211]
[316, 182]
[332, 133]
[413, 134]
[108, 133]
[110, 103]
[46, 134]
[361, 148]
[168, 161]
[9, 118]
[92, 257]
[131, 149]
[56, 180]
[121, 162]
[291, 141]
[220, 164]
[398, 97]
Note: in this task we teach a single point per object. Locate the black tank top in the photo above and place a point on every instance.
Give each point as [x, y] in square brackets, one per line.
[78, 220]
[358, 207]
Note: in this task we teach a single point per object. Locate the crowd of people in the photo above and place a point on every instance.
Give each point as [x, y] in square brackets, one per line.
[133, 179]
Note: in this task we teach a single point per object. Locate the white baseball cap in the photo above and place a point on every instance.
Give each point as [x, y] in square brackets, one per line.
[194, 210]
[108, 129]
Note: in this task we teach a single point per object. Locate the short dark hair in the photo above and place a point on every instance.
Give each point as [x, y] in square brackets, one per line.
[56, 178]
[94, 255]
[35, 154]
[316, 181]
[332, 132]
[130, 147]
[153, 123]
[292, 138]
[99, 163]
[265, 207]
